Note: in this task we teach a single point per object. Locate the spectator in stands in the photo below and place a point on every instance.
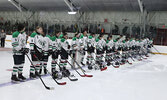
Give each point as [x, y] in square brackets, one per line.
[3, 36]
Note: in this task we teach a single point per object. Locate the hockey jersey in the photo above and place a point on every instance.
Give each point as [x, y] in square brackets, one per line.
[100, 44]
[36, 42]
[47, 43]
[109, 44]
[64, 44]
[75, 43]
[84, 40]
[55, 43]
[18, 42]
[91, 42]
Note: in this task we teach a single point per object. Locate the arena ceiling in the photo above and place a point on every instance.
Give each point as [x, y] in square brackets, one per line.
[86, 5]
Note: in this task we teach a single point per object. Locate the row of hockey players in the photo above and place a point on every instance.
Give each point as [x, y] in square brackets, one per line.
[97, 48]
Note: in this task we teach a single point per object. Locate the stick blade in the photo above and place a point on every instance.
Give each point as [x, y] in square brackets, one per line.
[83, 75]
[105, 68]
[88, 75]
[50, 88]
[74, 79]
[116, 66]
[64, 83]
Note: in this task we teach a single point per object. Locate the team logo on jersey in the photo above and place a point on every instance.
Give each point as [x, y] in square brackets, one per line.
[22, 41]
[42, 43]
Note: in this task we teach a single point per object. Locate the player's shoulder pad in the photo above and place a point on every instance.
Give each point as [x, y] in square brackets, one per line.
[115, 40]
[97, 39]
[61, 36]
[81, 36]
[53, 38]
[62, 39]
[107, 41]
[48, 36]
[90, 37]
[33, 34]
[74, 38]
[15, 34]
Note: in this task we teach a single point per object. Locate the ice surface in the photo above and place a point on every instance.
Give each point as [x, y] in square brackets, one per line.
[143, 80]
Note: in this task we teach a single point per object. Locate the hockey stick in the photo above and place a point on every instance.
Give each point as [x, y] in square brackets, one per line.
[75, 69]
[92, 57]
[63, 83]
[67, 76]
[115, 60]
[130, 56]
[102, 69]
[81, 68]
[78, 65]
[145, 52]
[49, 88]
[140, 55]
[126, 57]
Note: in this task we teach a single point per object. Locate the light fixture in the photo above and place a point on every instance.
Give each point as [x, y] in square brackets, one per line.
[72, 12]
[16, 4]
[71, 6]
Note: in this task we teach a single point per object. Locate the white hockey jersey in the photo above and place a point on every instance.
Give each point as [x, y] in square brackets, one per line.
[47, 43]
[64, 44]
[100, 44]
[110, 44]
[36, 40]
[18, 41]
[55, 43]
[75, 43]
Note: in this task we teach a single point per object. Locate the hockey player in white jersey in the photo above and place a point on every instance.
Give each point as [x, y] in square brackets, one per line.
[75, 44]
[19, 51]
[55, 53]
[148, 45]
[47, 48]
[64, 53]
[83, 41]
[91, 43]
[109, 50]
[100, 48]
[36, 47]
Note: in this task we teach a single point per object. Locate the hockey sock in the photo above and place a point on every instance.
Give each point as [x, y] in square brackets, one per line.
[15, 69]
[20, 69]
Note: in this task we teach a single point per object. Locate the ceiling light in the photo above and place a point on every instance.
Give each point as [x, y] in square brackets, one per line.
[72, 12]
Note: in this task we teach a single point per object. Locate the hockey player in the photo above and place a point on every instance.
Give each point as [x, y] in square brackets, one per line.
[65, 51]
[47, 48]
[124, 54]
[19, 51]
[55, 53]
[75, 48]
[83, 41]
[148, 44]
[100, 48]
[117, 49]
[90, 51]
[138, 45]
[131, 44]
[36, 45]
[109, 50]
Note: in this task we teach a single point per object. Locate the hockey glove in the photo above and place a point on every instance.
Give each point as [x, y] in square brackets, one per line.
[25, 50]
[50, 52]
